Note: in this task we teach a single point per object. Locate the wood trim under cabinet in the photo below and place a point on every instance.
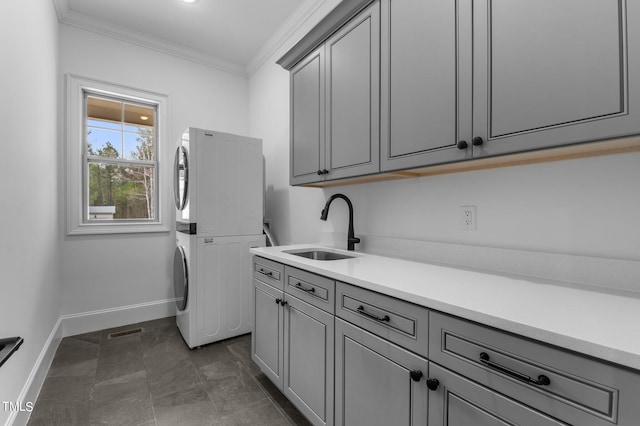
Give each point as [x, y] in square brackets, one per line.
[584, 150]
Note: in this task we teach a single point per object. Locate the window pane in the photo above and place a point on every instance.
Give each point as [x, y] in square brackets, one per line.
[140, 144]
[104, 109]
[119, 129]
[121, 192]
[138, 116]
[104, 143]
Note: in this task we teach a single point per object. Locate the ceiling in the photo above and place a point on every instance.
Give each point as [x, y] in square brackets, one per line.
[233, 35]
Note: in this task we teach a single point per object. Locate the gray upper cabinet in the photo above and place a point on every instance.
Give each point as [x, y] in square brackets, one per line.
[307, 119]
[395, 85]
[353, 64]
[548, 73]
[419, 73]
[335, 104]
[504, 76]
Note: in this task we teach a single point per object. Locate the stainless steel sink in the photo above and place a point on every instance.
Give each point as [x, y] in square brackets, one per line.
[320, 254]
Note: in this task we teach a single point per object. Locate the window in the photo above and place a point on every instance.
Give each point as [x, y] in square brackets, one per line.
[114, 168]
[120, 182]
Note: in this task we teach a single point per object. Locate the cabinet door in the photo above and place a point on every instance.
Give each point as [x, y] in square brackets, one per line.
[353, 87]
[373, 381]
[460, 402]
[549, 73]
[267, 336]
[307, 119]
[419, 110]
[308, 360]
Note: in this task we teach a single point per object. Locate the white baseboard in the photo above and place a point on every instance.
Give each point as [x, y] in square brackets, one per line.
[34, 382]
[84, 322]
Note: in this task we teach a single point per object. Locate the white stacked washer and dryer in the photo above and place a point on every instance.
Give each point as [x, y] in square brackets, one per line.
[218, 189]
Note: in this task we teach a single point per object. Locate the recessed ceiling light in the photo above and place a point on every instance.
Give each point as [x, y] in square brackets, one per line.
[144, 118]
[189, 1]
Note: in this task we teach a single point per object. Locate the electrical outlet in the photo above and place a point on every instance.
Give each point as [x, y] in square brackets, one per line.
[468, 218]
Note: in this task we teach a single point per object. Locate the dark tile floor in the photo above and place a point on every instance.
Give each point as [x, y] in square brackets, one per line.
[152, 378]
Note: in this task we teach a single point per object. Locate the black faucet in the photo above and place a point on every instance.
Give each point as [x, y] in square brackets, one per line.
[351, 238]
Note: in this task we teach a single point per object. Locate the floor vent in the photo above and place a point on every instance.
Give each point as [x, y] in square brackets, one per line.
[125, 333]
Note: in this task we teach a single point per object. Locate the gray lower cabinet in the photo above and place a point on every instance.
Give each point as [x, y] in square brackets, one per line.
[459, 401]
[377, 382]
[384, 361]
[268, 333]
[293, 341]
[570, 387]
[334, 97]
[308, 360]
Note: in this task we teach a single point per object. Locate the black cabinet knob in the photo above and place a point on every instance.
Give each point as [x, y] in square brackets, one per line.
[319, 172]
[278, 301]
[284, 302]
[325, 172]
[462, 145]
[433, 384]
[416, 375]
[477, 141]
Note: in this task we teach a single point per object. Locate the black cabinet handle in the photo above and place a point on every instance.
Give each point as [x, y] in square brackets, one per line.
[433, 384]
[325, 172]
[374, 317]
[477, 141]
[462, 145]
[542, 379]
[278, 301]
[267, 273]
[303, 288]
[284, 303]
[319, 172]
[416, 375]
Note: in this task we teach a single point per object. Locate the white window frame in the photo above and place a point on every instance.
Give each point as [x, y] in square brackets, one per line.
[77, 224]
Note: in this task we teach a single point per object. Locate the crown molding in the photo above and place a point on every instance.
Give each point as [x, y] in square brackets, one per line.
[283, 34]
[108, 29]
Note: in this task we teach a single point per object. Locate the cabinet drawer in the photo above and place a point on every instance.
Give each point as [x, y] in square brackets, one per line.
[314, 289]
[572, 387]
[400, 322]
[268, 271]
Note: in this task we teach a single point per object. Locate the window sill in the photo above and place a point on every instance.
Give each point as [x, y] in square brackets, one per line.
[120, 228]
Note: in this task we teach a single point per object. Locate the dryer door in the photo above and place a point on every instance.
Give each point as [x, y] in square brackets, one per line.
[181, 177]
[180, 278]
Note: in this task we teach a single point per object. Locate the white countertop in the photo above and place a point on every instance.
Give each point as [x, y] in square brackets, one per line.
[600, 324]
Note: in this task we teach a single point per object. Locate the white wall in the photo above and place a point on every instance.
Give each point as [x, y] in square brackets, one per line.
[294, 212]
[107, 272]
[555, 219]
[29, 202]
